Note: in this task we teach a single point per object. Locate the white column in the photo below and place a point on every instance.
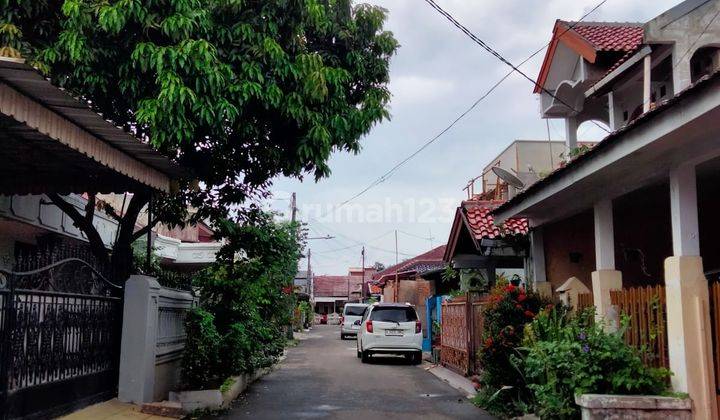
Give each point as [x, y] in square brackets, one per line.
[683, 211]
[647, 70]
[571, 127]
[604, 236]
[537, 255]
[688, 301]
[612, 114]
[605, 278]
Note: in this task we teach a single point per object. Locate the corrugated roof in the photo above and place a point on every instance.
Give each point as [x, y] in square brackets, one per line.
[29, 82]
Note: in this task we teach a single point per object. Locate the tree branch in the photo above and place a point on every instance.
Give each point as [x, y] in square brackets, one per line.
[144, 230]
[97, 246]
[90, 207]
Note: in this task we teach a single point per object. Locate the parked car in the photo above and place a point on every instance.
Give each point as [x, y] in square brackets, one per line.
[390, 328]
[351, 313]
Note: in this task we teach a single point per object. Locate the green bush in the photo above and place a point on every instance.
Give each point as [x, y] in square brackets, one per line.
[568, 355]
[503, 391]
[248, 293]
[201, 358]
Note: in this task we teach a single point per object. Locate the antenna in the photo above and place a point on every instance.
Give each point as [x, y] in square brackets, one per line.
[506, 176]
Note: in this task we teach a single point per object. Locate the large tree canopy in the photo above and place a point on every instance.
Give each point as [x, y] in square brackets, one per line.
[237, 91]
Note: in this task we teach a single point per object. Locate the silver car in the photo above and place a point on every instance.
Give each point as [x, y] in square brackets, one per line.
[351, 313]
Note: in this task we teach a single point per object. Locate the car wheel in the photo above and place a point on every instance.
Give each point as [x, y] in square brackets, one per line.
[359, 354]
[416, 358]
[365, 356]
[342, 336]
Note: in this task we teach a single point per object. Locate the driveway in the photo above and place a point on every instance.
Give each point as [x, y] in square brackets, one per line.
[323, 379]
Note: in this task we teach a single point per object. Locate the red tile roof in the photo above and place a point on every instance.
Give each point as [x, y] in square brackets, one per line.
[482, 225]
[428, 261]
[327, 286]
[610, 36]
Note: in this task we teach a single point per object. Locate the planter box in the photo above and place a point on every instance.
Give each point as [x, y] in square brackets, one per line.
[595, 407]
[214, 399]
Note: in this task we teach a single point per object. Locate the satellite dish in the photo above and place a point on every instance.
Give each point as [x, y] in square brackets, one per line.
[506, 176]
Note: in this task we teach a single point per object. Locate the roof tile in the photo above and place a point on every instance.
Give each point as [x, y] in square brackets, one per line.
[610, 36]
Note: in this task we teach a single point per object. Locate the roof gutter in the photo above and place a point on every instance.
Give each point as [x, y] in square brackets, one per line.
[610, 77]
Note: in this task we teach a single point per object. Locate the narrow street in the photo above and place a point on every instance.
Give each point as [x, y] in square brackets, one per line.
[322, 378]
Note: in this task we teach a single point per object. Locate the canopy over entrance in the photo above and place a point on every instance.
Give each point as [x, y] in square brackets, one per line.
[51, 142]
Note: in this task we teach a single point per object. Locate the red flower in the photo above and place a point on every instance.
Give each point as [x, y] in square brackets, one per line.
[509, 288]
[488, 342]
[521, 297]
[529, 314]
[518, 306]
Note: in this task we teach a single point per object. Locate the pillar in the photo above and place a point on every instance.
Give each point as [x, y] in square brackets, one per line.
[647, 94]
[688, 302]
[605, 278]
[537, 254]
[571, 127]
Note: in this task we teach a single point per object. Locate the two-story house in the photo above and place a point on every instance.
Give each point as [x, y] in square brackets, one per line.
[639, 208]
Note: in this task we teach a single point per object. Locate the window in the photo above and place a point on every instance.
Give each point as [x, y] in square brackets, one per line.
[393, 314]
[354, 310]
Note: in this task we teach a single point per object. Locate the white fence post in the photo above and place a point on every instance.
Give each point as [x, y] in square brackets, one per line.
[153, 339]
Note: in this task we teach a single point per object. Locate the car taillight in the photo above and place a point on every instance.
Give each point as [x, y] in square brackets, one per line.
[418, 327]
[369, 326]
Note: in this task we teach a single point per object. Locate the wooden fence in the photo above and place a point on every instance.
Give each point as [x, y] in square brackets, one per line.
[585, 300]
[647, 329]
[715, 324]
[461, 333]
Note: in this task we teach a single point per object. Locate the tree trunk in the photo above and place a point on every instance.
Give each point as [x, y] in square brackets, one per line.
[120, 259]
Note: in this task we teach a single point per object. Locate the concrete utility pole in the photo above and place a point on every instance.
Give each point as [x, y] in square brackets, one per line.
[362, 284]
[293, 207]
[396, 292]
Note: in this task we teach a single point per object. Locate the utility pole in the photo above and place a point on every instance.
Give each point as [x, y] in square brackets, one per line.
[362, 285]
[293, 206]
[309, 275]
[396, 292]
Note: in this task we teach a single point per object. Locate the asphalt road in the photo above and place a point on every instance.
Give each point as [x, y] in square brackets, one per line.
[322, 378]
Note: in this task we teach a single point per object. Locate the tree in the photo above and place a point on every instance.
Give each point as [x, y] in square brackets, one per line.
[236, 91]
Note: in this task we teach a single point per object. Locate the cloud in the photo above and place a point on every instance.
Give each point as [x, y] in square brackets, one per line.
[419, 90]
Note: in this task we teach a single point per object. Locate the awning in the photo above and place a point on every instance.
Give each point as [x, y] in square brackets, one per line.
[52, 142]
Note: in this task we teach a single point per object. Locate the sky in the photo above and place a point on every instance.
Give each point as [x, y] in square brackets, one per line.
[437, 73]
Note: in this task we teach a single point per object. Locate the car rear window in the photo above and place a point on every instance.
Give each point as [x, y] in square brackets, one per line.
[354, 310]
[398, 314]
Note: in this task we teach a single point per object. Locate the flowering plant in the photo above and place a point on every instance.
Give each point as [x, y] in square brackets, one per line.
[508, 310]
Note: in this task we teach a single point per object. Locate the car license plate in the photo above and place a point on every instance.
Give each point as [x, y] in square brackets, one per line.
[394, 332]
[354, 327]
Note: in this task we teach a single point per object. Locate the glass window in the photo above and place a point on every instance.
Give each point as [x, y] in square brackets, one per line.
[393, 314]
[354, 310]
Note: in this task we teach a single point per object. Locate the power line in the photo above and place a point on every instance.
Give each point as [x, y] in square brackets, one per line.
[697, 39]
[389, 173]
[499, 56]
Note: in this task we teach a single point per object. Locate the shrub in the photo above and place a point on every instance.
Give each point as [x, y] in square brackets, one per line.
[568, 355]
[503, 391]
[201, 358]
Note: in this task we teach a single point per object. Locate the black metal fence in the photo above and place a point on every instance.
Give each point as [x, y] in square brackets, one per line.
[60, 329]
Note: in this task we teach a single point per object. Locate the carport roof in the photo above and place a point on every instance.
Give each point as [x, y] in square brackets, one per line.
[42, 117]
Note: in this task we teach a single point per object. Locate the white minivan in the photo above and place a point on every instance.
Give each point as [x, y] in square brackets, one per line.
[351, 313]
[390, 328]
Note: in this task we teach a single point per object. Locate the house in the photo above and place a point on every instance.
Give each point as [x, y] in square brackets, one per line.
[330, 293]
[414, 281]
[640, 208]
[54, 143]
[479, 250]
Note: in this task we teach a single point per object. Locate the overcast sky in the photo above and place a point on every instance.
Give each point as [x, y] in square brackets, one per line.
[437, 73]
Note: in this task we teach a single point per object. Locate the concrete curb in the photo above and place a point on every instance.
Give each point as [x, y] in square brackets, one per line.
[456, 381]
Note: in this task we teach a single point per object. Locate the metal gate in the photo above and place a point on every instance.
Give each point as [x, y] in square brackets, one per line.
[60, 328]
